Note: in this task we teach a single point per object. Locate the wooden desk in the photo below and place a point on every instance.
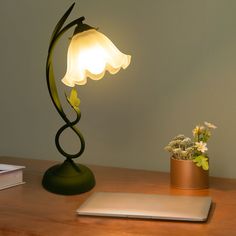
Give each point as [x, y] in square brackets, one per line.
[30, 210]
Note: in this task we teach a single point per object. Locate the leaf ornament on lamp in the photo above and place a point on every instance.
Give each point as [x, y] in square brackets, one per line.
[90, 55]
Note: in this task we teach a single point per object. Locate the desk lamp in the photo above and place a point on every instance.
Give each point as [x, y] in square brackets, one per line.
[90, 54]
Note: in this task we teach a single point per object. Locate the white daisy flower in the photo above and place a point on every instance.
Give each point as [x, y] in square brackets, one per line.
[209, 125]
[201, 146]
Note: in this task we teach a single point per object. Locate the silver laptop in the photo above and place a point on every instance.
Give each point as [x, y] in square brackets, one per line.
[147, 206]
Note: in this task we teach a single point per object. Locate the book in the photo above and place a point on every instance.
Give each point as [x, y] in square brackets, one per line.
[10, 175]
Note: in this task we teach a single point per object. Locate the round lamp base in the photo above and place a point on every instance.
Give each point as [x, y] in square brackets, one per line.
[68, 178]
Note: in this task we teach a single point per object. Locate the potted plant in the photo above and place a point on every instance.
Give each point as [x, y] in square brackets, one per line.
[189, 167]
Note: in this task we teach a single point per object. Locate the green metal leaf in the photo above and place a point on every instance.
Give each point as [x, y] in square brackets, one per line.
[53, 91]
[73, 99]
[61, 22]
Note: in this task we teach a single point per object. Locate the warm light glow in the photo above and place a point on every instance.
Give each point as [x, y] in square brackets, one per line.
[90, 54]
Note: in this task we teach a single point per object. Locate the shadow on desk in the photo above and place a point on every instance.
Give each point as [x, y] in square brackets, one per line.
[222, 184]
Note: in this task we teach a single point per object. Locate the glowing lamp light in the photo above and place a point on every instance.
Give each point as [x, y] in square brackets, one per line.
[91, 54]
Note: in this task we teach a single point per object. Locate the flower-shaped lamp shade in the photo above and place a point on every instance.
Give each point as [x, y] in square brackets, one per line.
[90, 54]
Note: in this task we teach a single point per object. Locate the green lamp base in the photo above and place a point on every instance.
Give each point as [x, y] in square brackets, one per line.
[68, 178]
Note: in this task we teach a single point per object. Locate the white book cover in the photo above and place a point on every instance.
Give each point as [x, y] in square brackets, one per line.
[10, 175]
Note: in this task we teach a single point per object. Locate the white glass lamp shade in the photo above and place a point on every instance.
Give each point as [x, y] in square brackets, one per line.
[90, 54]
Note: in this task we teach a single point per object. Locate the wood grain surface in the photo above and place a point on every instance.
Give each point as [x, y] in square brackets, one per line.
[29, 210]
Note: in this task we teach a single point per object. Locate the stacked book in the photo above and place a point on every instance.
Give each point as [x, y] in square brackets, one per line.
[10, 175]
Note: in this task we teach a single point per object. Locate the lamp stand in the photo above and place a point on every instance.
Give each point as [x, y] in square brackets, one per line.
[67, 178]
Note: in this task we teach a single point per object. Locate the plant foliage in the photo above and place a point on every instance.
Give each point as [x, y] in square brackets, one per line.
[183, 148]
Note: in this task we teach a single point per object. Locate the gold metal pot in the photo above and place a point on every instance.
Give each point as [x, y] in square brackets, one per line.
[184, 174]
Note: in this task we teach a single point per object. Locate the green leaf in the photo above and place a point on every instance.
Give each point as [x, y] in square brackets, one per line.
[205, 165]
[73, 99]
[61, 22]
[201, 161]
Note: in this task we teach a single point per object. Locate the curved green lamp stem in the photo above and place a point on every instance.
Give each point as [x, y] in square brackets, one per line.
[58, 32]
[68, 178]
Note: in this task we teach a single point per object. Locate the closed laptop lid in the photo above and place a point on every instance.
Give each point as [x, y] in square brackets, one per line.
[148, 206]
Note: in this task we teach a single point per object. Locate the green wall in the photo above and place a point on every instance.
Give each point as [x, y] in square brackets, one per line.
[182, 73]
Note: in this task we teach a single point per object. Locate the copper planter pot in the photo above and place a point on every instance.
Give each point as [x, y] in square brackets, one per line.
[184, 174]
